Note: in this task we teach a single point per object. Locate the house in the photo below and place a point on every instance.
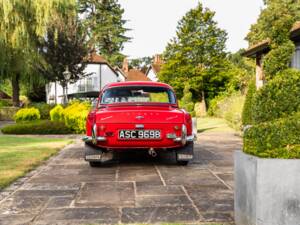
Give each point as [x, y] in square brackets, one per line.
[120, 72]
[259, 50]
[133, 74]
[100, 73]
[153, 70]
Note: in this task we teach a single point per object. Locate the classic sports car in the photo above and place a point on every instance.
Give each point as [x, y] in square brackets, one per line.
[138, 115]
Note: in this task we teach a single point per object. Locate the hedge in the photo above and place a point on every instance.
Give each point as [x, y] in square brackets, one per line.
[44, 109]
[27, 114]
[247, 117]
[279, 138]
[279, 98]
[37, 127]
[75, 116]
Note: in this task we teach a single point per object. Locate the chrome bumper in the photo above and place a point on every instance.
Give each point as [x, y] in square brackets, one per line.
[90, 138]
[188, 138]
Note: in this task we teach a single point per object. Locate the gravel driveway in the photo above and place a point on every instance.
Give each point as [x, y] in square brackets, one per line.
[137, 189]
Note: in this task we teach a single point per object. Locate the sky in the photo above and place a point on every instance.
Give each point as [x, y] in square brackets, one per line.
[153, 22]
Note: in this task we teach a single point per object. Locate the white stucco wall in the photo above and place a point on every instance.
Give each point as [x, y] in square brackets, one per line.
[151, 75]
[121, 77]
[87, 84]
[107, 75]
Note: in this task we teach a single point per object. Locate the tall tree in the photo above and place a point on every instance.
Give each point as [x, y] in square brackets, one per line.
[105, 24]
[275, 21]
[141, 63]
[63, 48]
[196, 55]
[21, 23]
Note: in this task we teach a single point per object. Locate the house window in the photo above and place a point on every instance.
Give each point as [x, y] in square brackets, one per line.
[296, 58]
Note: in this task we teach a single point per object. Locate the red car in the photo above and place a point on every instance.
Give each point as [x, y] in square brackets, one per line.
[140, 116]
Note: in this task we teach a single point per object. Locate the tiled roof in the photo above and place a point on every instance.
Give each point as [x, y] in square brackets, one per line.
[95, 58]
[136, 75]
[261, 46]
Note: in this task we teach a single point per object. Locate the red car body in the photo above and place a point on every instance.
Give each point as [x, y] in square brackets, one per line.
[154, 126]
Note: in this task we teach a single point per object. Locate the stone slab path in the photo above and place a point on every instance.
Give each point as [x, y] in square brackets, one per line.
[137, 189]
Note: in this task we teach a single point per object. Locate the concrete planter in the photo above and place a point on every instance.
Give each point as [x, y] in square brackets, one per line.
[267, 191]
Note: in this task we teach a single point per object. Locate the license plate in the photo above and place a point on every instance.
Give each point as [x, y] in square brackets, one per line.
[139, 134]
[184, 157]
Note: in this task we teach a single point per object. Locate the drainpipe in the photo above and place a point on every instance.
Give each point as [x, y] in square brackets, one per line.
[100, 74]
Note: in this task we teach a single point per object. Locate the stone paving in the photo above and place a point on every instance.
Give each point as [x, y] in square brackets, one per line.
[137, 189]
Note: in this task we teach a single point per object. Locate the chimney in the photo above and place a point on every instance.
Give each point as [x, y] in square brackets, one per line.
[157, 59]
[125, 65]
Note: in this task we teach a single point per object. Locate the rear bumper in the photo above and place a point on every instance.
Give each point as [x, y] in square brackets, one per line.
[142, 144]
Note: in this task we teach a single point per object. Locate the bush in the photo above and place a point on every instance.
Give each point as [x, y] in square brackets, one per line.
[44, 109]
[228, 107]
[56, 114]
[75, 116]
[279, 138]
[247, 109]
[187, 102]
[214, 106]
[278, 98]
[5, 103]
[37, 127]
[27, 114]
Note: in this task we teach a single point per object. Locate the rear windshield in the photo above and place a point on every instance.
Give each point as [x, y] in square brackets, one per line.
[138, 94]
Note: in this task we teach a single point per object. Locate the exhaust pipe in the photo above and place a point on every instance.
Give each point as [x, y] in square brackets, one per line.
[152, 152]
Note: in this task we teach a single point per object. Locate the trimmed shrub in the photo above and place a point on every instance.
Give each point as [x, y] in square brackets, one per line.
[278, 98]
[44, 109]
[56, 114]
[278, 138]
[37, 127]
[75, 116]
[247, 109]
[27, 114]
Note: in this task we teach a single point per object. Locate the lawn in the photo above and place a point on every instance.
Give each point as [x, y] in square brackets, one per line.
[18, 155]
[212, 124]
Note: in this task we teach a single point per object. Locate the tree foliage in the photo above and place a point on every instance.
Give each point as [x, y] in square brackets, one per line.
[186, 101]
[196, 55]
[103, 19]
[141, 63]
[21, 23]
[63, 47]
[274, 24]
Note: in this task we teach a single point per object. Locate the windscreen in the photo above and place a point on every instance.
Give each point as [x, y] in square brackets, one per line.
[138, 94]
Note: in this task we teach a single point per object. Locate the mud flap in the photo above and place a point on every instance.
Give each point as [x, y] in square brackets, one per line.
[95, 154]
[185, 153]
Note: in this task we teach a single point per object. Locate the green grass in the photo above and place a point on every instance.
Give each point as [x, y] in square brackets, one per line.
[19, 155]
[212, 124]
